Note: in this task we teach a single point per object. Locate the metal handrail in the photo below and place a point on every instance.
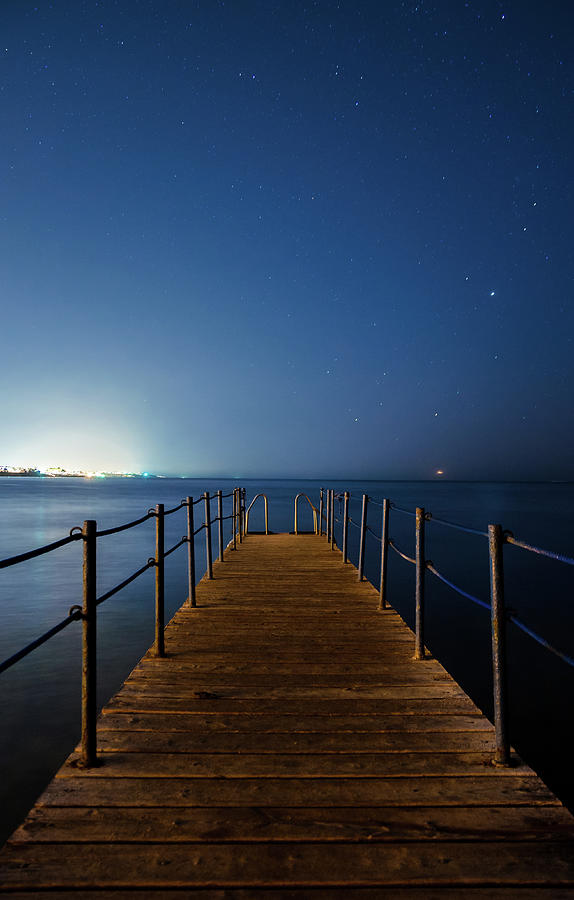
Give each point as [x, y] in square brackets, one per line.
[266, 504]
[315, 511]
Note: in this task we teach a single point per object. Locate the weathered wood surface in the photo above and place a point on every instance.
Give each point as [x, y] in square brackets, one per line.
[289, 746]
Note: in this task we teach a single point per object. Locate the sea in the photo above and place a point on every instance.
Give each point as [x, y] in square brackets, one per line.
[40, 695]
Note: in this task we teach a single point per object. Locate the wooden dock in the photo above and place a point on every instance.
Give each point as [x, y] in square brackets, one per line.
[289, 746]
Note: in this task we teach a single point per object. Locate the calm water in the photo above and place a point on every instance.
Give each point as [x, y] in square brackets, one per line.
[39, 697]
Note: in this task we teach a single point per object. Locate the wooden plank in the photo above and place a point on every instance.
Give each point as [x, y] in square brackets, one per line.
[439, 721]
[317, 824]
[131, 741]
[454, 790]
[281, 865]
[294, 765]
[292, 707]
[445, 892]
[428, 691]
[192, 680]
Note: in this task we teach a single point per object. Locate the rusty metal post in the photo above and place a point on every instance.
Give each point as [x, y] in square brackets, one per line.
[498, 626]
[220, 523]
[345, 526]
[328, 516]
[240, 514]
[332, 518]
[89, 647]
[321, 513]
[234, 518]
[384, 554]
[190, 552]
[159, 646]
[363, 537]
[420, 583]
[208, 535]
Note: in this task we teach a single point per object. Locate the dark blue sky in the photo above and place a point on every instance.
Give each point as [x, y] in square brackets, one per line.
[288, 238]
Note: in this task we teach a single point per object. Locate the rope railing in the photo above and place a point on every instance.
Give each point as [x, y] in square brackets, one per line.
[370, 531]
[47, 548]
[174, 509]
[394, 547]
[25, 651]
[401, 509]
[431, 568]
[115, 590]
[499, 613]
[510, 539]
[435, 521]
[118, 528]
[175, 547]
[540, 640]
[87, 612]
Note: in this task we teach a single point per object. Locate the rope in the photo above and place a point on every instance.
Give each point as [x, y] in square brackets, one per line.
[197, 530]
[376, 536]
[510, 539]
[107, 531]
[407, 512]
[199, 499]
[354, 523]
[8, 663]
[540, 640]
[175, 547]
[168, 512]
[22, 557]
[430, 518]
[455, 587]
[404, 555]
[118, 587]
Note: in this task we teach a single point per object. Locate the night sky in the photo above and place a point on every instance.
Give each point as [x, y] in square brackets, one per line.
[288, 238]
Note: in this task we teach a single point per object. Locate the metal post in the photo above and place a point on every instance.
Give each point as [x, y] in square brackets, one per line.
[190, 552]
[220, 523]
[159, 647]
[328, 522]
[345, 526]
[240, 514]
[208, 536]
[384, 554]
[234, 519]
[420, 583]
[363, 537]
[321, 513]
[89, 651]
[498, 625]
[243, 512]
[332, 518]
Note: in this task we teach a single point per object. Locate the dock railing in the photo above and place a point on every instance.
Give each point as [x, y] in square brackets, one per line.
[500, 614]
[87, 612]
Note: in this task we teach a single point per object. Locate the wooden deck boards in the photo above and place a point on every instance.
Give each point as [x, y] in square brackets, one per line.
[289, 746]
